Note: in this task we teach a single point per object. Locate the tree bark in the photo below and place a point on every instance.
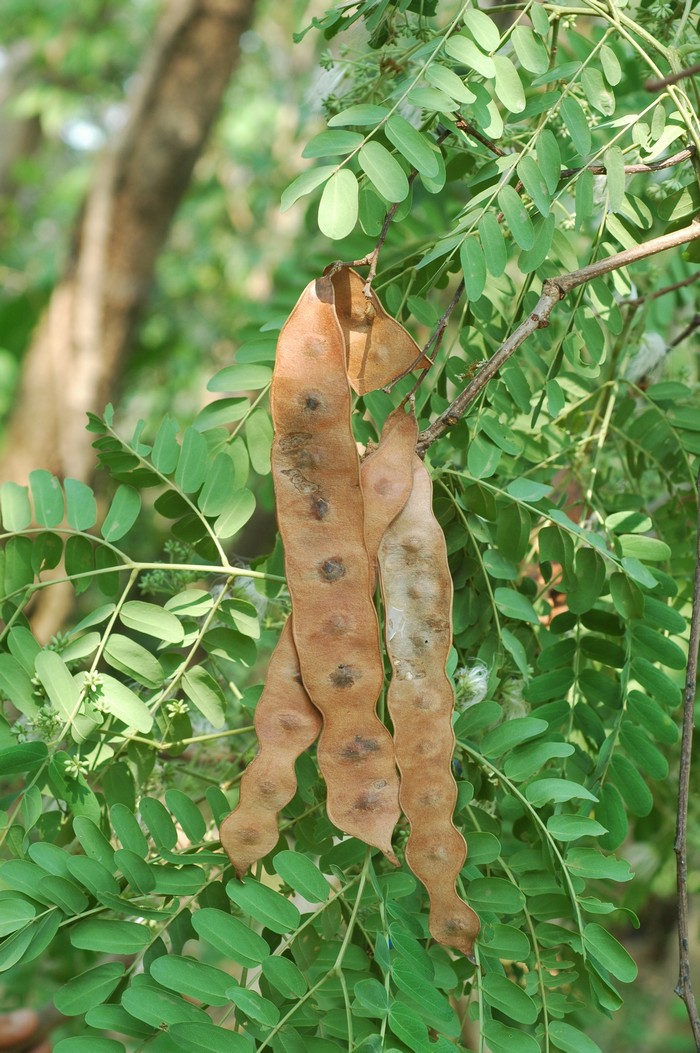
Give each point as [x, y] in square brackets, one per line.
[83, 340]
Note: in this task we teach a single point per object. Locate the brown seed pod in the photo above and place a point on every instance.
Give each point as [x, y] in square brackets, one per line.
[320, 511]
[379, 349]
[417, 593]
[286, 721]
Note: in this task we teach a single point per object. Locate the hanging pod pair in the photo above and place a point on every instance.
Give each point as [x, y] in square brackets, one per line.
[342, 523]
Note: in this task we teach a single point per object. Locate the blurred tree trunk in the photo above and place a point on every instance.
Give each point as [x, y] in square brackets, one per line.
[19, 136]
[80, 345]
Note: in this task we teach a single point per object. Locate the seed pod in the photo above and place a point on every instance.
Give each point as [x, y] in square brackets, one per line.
[379, 349]
[417, 593]
[286, 721]
[320, 512]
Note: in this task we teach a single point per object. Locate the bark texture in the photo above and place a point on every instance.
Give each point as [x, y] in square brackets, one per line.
[80, 346]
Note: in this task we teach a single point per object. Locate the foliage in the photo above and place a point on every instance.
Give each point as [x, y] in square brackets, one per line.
[566, 500]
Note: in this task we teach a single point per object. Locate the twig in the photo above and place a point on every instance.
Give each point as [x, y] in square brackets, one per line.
[553, 290]
[673, 78]
[684, 987]
[690, 328]
[465, 126]
[662, 292]
[634, 169]
[434, 341]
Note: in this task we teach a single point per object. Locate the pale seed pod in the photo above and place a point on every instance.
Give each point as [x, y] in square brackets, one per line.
[320, 511]
[379, 349]
[417, 595]
[286, 721]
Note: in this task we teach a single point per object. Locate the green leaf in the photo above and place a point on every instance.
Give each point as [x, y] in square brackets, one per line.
[431, 1005]
[468, 54]
[531, 52]
[193, 463]
[192, 978]
[505, 941]
[609, 953]
[361, 116]
[514, 605]
[207, 1038]
[517, 217]
[511, 733]
[264, 904]
[545, 791]
[549, 159]
[649, 549]
[649, 714]
[74, 791]
[123, 513]
[571, 827]
[58, 683]
[204, 693]
[627, 598]
[240, 377]
[152, 620]
[642, 751]
[16, 685]
[15, 507]
[408, 1027]
[304, 184]
[658, 648]
[412, 144]
[47, 497]
[93, 841]
[124, 704]
[259, 439]
[509, 998]
[482, 28]
[88, 1044]
[535, 183]
[81, 505]
[502, 1039]
[337, 211]
[14, 915]
[636, 793]
[657, 683]
[448, 82]
[372, 996]
[611, 65]
[110, 937]
[160, 1008]
[570, 1040]
[131, 658]
[384, 171]
[302, 874]
[482, 457]
[187, 814]
[577, 125]
[493, 244]
[509, 88]
[255, 1006]
[89, 989]
[590, 580]
[239, 507]
[495, 895]
[159, 823]
[614, 161]
[333, 143]
[230, 936]
[139, 874]
[474, 267]
[166, 449]
[284, 976]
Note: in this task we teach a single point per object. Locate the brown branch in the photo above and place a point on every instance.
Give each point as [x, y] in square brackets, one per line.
[690, 328]
[673, 78]
[465, 126]
[553, 290]
[634, 169]
[684, 987]
[662, 292]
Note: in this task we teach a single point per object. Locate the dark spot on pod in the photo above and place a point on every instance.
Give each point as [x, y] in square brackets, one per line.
[297, 678]
[319, 508]
[333, 569]
[249, 835]
[368, 801]
[430, 798]
[454, 926]
[424, 703]
[289, 721]
[344, 676]
[267, 788]
[311, 401]
[294, 441]
[336, 625]
[359, 748]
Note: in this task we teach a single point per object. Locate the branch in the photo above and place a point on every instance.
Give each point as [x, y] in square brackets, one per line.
[662, 292]
[684, 987]
[465, 126]
[689, 329]
[635, 169]
[673, 78]
[553, 290]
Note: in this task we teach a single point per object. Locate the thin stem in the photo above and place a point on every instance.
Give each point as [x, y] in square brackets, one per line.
[637, 168]
[673, 78]
[553, 290]
[684, 988]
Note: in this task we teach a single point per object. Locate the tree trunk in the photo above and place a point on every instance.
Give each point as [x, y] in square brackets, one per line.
[81, 343]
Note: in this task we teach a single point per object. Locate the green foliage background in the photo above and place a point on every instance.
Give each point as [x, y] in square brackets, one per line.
[571, 479]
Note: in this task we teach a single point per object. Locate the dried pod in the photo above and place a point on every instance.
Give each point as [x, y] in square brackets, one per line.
[286, 721]
[320, 512]
[286, 724]
[379, 349]
[417, 593]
